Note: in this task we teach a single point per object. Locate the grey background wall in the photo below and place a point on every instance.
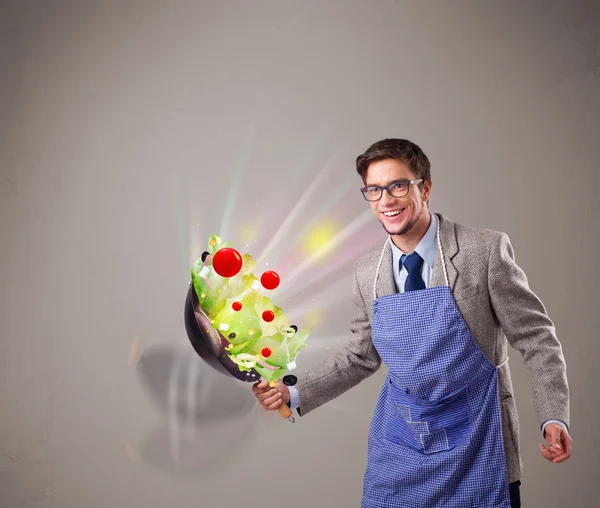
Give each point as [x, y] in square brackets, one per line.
[131, 130]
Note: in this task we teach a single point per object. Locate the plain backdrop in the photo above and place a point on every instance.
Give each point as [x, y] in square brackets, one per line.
[132, 130]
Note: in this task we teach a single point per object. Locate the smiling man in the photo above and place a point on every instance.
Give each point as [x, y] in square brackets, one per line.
[439, 303]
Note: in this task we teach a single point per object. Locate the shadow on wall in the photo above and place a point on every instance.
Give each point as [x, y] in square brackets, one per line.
[209, 418]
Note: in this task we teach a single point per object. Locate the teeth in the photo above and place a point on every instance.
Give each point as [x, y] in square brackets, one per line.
[391, 214]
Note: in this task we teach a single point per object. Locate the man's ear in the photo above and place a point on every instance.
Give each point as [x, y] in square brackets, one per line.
[426, 190]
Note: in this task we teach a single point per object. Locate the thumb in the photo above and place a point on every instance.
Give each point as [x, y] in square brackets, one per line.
[553, 437]
[260, 386]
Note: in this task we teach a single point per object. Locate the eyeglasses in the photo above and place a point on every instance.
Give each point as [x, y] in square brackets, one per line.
[397, 189]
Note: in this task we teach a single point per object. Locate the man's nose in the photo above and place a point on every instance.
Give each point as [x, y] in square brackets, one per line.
[386, 198]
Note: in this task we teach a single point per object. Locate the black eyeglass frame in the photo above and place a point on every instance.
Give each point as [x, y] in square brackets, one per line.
[381, 188]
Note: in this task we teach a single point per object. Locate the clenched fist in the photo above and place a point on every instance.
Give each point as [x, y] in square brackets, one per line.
[271, 398]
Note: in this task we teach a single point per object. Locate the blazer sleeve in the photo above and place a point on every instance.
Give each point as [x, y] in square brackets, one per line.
[528, 329]
[352, 364]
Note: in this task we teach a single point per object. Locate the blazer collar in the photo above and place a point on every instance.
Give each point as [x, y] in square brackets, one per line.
[385, 281]
[450, 249]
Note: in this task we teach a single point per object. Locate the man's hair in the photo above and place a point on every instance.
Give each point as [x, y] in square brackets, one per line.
[399, 149]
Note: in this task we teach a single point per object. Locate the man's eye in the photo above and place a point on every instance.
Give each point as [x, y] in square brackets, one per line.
[398, 186]
[372, 190]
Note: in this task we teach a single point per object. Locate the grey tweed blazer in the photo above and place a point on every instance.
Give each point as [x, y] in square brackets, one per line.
[494, 298]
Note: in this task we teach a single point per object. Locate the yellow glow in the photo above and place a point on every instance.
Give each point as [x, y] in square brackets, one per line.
[314, 318]
[319, 239]
[250, 231]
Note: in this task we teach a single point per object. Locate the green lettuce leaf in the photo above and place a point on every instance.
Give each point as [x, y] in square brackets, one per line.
[247, 332]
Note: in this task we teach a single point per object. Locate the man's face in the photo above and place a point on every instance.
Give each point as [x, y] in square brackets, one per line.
[412, 207]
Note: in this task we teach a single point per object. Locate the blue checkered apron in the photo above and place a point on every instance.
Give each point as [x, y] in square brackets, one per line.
[436, 435]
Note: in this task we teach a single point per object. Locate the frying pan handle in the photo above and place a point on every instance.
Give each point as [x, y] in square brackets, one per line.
[284, 409]
[286, 412]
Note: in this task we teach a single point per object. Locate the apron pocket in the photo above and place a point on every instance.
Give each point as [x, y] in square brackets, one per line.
[428, 426]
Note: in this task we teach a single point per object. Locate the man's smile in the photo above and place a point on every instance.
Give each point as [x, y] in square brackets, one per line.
[393, 214]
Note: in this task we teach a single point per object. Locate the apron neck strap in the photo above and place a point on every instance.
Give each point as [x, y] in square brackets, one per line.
[442, 258]
[389, 239]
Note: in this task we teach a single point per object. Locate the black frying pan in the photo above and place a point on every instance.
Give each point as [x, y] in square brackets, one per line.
[210, 345]
[208, 342]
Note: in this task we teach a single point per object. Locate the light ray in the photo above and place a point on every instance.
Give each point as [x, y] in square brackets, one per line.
[235, 186]
[173, 396]
[295, 212]
[329, 295]
[342, 264]
[350, 229]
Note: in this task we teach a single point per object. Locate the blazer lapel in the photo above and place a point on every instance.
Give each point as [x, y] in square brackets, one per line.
[450, 248]
[385, 281]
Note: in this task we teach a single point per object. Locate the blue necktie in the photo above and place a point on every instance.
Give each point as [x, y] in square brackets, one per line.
[413, 264]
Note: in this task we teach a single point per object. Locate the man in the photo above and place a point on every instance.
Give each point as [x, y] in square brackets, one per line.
[438, 305]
